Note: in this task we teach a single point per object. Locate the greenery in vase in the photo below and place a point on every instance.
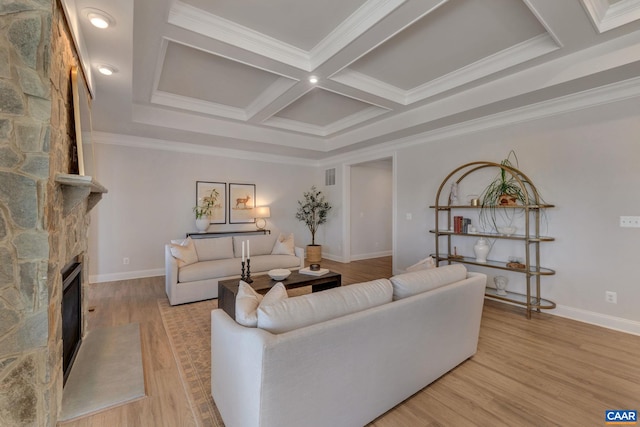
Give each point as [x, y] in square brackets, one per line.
[504, 185]
[204, 210]
[313, 211]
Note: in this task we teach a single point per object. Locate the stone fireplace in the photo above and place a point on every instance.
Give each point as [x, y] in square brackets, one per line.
[40, 232]
[71, 309]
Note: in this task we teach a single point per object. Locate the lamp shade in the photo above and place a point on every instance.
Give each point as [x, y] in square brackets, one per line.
[262, 212]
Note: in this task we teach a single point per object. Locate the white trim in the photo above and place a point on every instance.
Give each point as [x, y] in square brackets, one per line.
[371, 255]
[351, 28]
[516, 54]
[112, 277]
[605, 16]
[598, 319]
[268, 96]
[366, 83]
[207, 24]
[193, 104]
[319, 130]
[183, 147]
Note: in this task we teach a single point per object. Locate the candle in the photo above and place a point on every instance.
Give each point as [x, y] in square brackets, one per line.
[248, 252]
[242, 251]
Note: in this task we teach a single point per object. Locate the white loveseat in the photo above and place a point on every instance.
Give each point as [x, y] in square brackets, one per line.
[350, 369]
[213, 259]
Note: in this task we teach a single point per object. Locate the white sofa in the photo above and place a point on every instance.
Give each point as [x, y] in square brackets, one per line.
[350, 369]
[218, 259]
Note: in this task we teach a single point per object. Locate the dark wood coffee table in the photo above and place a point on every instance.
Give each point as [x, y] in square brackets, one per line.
[228, 289]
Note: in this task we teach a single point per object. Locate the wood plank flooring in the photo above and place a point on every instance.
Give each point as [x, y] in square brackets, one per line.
[541, 372]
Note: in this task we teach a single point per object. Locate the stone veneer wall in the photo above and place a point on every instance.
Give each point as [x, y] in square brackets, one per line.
[36, 239]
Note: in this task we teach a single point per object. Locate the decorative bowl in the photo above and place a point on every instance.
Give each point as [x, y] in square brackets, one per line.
[506, 231]
[279, 273]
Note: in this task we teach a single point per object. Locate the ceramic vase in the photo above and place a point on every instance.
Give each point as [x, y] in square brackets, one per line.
[202, 224]
[501, 284]
[481, 250]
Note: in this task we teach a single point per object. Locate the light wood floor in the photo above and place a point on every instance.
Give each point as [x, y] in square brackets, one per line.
[540, 372]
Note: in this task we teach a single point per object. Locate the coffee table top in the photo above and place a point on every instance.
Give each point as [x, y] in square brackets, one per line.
[263, 283]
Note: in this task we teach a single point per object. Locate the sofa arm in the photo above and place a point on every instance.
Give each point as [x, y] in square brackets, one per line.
[170, 273]
[300, 254]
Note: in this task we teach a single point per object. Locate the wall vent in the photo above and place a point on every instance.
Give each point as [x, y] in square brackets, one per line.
[330, 176]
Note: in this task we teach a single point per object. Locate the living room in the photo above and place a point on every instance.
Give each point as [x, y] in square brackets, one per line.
[572, 118]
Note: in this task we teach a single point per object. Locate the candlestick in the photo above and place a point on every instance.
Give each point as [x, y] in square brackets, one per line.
[248, 252]
[248, 279]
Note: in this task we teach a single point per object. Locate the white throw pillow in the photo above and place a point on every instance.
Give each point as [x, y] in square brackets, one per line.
[248, 301]
[416, 282]
[305, 310]
[284, 245]
[424, 264]
[184, 253]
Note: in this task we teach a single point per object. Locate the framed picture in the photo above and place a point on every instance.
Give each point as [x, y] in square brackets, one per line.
[214, 193]
[242, 199]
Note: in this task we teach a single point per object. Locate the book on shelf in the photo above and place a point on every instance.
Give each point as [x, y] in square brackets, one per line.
[310, 272]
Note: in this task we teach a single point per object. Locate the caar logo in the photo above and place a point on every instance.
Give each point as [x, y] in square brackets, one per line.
[621, 416]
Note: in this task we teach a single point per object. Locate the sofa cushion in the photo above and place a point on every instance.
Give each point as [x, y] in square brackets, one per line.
[269, 262]
[248, 300]
[424, 264]
[209, 270]
[297, 312]
[184, 252]
[214, 248]
[260, 245]
[284, 245]
[416, 282]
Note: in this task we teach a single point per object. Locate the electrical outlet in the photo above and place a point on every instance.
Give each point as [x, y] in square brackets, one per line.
[125, 261]
[611, 297]
[630, 221]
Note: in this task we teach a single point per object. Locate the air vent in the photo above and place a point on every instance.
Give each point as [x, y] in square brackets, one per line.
[330, 176]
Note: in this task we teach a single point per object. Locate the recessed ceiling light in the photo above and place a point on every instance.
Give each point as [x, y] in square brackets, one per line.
[99, 18]
[107, 70]
[313, 79]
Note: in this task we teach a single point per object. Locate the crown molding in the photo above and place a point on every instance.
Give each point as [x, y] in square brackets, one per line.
[366, 83]
[106, 138]
[516, 54]
[207, 24]
[606, 16]
[351, 28]
[197, 105]
[274, 91]
[614, 92]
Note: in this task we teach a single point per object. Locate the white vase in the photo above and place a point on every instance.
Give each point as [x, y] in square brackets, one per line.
[202, 224]
[481, 250]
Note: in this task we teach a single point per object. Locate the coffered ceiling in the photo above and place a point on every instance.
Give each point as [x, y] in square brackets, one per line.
[234, 74]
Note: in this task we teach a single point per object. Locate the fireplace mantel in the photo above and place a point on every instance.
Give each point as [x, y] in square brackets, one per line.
[77, 188]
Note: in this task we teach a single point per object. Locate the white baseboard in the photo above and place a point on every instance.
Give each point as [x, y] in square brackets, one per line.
[113, 277]
[604, 320]
[371, 255]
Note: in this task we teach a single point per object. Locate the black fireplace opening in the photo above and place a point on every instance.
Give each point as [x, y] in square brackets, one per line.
[71, 315]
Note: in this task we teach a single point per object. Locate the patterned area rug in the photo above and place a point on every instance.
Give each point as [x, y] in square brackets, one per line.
[188, 327]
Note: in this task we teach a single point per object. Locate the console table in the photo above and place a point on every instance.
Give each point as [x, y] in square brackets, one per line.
[228, 289]
[205, 234]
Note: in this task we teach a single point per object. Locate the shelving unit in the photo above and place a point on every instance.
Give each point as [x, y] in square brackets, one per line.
[531, 238]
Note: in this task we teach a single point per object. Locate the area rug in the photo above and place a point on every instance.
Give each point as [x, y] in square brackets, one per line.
[188, 327]
[107, 372]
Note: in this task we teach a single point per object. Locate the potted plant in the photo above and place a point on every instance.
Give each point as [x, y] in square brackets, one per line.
[203, 210]
[313, 211]
[505, 191]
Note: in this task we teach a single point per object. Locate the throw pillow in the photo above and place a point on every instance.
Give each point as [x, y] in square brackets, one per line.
[284, 245]
[184, 253]
[408, 284]
[424, 264]
[248, 301]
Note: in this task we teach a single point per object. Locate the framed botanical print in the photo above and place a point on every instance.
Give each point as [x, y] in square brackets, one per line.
[242, 199]
[213, 194]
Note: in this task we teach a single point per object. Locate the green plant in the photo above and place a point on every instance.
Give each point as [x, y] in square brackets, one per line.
[313, 211]
[204, 210]
[509, 188]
